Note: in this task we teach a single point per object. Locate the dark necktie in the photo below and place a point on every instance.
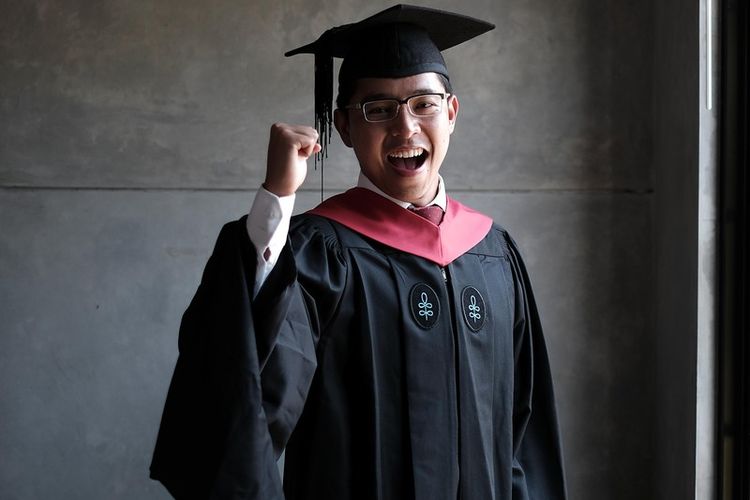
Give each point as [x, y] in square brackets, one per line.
[432, 213]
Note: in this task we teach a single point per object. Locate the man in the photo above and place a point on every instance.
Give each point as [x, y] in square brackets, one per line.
[392, 354]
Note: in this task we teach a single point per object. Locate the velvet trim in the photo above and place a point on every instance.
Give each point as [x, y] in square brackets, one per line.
[373, 216]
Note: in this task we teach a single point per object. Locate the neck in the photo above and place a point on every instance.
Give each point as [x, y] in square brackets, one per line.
[439, 199]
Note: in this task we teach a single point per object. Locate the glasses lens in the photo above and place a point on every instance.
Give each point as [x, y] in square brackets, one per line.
[380, 111]
[426, 105]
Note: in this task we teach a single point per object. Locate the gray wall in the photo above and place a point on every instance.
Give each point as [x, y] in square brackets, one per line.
[129, 131]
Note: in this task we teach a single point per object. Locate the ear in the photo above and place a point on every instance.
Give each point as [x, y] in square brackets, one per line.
[452, 111]
[341, 120]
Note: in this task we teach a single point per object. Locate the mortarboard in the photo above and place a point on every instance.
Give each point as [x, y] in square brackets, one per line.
[400, 41]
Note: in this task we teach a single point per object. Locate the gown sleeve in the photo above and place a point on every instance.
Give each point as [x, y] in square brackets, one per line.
[538, 472]
[243, 373]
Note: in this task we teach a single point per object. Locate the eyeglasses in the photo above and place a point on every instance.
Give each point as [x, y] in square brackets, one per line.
[383, 110]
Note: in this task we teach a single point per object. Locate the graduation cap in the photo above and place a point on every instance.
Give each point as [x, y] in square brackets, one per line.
[400, 41]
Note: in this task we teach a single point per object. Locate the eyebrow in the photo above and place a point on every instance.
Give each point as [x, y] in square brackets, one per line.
[370, 97]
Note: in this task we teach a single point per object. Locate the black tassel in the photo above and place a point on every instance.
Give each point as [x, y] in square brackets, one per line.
[323, 108]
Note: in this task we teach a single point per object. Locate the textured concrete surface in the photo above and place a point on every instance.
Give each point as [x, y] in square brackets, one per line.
[182, 94]
[93, 285]
[130, 131]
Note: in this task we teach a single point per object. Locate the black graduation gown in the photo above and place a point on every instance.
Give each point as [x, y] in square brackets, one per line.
[385, 374]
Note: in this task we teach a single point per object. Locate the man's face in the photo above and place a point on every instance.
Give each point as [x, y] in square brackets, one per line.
[402, 156]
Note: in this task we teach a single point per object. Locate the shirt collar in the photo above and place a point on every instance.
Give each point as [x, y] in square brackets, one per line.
[439, 200]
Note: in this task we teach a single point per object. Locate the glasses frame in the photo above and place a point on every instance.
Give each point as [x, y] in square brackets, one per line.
[361, 105]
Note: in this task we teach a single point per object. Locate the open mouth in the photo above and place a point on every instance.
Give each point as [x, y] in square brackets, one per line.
[408, 159]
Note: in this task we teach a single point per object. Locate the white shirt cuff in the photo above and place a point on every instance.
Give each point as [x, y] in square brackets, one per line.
[268, 227]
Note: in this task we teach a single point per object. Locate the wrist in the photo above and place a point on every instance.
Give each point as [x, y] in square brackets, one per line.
[277, 190]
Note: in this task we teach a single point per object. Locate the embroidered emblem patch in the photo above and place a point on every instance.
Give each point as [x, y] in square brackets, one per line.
[473, 307]
[425, 306]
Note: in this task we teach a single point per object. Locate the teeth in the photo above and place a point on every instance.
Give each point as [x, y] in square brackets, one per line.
[409, 153]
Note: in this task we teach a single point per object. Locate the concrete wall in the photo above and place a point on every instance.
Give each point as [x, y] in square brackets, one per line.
[129, 131]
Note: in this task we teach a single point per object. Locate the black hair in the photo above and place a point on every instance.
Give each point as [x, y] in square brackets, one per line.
[347, 88]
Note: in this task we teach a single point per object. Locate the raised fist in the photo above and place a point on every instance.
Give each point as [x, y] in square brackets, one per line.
[289, 147]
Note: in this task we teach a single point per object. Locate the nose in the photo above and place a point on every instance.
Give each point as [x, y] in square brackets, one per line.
[405, 124]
